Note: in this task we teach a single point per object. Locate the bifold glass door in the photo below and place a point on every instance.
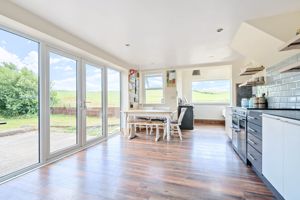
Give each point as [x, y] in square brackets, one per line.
[113, 101]
[51, 102]
[93, 102]
[63, 117]
[19, 103]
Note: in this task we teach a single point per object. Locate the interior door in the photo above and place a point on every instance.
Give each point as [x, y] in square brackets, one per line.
[92, 102]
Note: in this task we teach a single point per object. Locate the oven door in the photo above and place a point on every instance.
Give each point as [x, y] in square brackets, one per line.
[235, 130]
[242, 138]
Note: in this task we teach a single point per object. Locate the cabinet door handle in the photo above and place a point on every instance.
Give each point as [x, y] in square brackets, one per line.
[251, 141]
[249, 117]
[252, 158]
[252, 130]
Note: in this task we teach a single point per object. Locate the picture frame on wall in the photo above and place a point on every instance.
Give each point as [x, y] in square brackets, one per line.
[171, 78]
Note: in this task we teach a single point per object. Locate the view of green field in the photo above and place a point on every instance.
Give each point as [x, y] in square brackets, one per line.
[154, 96]
[66, 98]
[210, 97]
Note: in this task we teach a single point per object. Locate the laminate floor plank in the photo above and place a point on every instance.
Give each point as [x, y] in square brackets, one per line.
[202, 166]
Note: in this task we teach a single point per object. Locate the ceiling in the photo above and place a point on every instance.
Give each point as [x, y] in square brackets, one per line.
[161, 33]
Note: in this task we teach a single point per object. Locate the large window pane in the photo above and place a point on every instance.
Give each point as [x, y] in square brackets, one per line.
[93, 102]
[215, 91]
[63, 102]
[153, 85]
[19, 103]
[114, 101]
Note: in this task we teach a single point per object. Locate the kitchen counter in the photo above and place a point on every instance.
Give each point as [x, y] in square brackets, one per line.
[291, 114]
[279, 112]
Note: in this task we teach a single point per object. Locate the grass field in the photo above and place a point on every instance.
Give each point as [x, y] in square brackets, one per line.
[154, 96]
[205, 97]
[66, 123]
[67, 99]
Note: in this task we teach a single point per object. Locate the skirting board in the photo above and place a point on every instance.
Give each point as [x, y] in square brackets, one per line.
[210, 121]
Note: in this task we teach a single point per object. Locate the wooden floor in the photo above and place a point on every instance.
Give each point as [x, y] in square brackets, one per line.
[203, 166]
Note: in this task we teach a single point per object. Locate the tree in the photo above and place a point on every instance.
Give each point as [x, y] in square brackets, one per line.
[18, 91]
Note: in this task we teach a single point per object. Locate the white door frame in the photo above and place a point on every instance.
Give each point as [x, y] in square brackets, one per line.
[78, 103]
[83, 106]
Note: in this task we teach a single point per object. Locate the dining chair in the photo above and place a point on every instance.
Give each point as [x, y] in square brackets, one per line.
[175, 125]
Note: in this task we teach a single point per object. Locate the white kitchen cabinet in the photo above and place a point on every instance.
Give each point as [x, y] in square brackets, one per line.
[272, 151]
[281, 155]
[291, 162]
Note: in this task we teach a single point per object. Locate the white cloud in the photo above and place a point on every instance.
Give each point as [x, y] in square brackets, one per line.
[65, 84]
[59, 60]
[3, 42]
[30, 61]
[68, 68]
[93, 82]
[54, 61]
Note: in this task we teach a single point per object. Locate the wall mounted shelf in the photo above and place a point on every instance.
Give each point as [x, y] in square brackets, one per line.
[295, 67]
[252, 83]
[251, 70]
[292, 44]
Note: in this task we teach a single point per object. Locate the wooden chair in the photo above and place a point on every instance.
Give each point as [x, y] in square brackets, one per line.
[175, 125]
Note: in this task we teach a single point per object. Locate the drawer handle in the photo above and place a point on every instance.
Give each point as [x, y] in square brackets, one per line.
[251, 141]
[249, 117]
[252, 130]
[252, 158]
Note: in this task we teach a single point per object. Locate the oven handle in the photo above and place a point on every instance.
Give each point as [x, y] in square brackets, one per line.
[252, 157]
[237, 130]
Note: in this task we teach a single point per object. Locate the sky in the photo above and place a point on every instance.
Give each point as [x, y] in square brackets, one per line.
[152, 82]
[23, 52]
[216, 86]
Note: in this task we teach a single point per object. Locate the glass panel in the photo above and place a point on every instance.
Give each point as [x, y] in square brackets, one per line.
[63, 116]
[154, 89]
[93, 102]
[113, 101]
[19, 103]
[217, 91]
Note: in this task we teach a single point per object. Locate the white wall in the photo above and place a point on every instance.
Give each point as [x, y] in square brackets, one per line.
[205, 111]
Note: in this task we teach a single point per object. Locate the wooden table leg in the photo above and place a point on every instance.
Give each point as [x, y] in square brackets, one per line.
[132, 131]
[157, 133]
[126, 130]
[168, 128]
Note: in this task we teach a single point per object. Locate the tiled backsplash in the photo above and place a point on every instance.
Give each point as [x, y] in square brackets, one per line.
[282, 89]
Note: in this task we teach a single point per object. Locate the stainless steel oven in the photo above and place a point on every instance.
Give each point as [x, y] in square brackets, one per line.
[239, 136]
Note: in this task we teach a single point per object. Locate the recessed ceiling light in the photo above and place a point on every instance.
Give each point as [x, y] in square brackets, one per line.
[127, 45]
[220, 30]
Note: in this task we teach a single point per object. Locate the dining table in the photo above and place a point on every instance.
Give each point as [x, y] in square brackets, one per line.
[133, 113]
